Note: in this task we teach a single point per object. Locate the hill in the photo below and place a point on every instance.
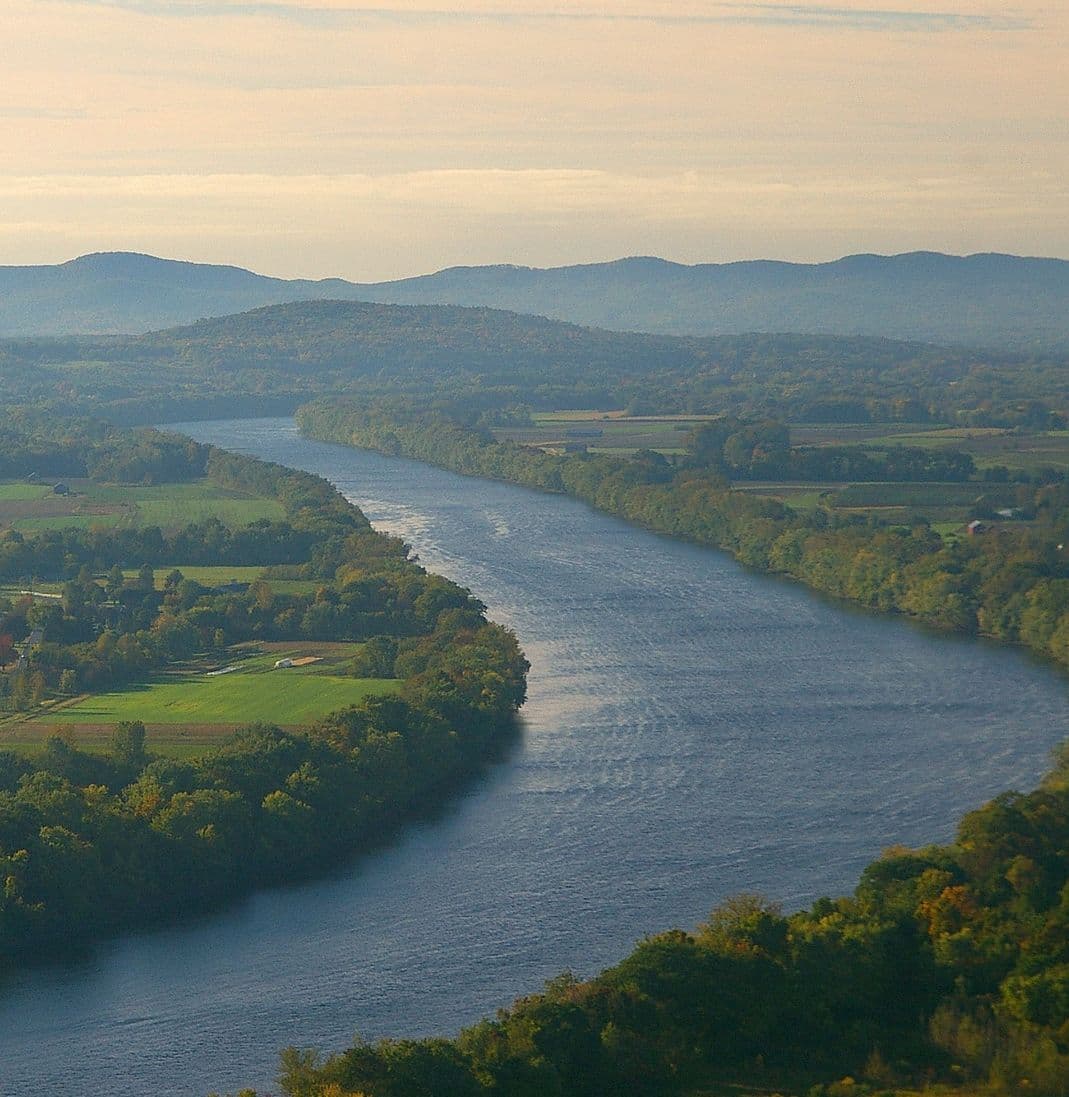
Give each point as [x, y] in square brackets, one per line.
[472, 360]
[999, 301]
[124, 292]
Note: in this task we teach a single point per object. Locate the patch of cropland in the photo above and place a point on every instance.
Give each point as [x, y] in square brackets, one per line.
[84, 503]
[198, 703]
[886, 472]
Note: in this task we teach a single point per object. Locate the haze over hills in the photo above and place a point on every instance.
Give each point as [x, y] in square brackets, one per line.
[484, 364]
[994, 300]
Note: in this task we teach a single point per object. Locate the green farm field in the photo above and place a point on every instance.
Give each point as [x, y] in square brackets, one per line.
[35, 506]
[188, 712]
[947, 507]
[605, 432]
[229, 573]
[989, 446]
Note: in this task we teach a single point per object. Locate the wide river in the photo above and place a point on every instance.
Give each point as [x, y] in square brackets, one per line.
[693, 730]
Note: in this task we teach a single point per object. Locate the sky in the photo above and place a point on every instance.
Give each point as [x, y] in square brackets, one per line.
[313, 138]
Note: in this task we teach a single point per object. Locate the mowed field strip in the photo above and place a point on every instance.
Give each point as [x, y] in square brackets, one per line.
[26, 506]
[187, 713]
[221, 574]
[283, 697]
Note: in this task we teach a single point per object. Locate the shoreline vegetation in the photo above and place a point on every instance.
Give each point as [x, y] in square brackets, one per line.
[1011, 584]
[946, 971]
[97, 842]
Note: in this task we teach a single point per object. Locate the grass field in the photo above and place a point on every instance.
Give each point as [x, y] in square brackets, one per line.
[945, 506]
[989, 446]
[188, 711]
[605, 432]
[18, 489]
[924, 495]
[226, 573]
[35, 506]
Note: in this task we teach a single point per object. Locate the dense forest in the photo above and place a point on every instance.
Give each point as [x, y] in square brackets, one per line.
[92, 843]
[479, 364]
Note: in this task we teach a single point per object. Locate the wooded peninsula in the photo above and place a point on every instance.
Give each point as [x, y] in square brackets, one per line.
[902, 477]
[96, 841]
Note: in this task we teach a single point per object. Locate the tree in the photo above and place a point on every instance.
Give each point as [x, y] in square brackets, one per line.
[114, 585]
[128, 742]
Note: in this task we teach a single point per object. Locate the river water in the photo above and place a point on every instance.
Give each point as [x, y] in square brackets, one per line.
[693, 730]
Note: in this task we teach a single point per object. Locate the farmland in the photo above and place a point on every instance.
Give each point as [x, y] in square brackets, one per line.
[32, 506]
[194, 707]
[1016, 449]
[946, 506]
[604, 432]
[220, 575]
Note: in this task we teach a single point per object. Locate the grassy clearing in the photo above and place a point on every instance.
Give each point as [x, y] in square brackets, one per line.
[222, 574]
[294, 696]
[173, 505]
[945, 506]
[35, 506]
[179, 741]
[605, 432]
[206, 576]
[853, 434]
[900, 494]
[17, 489]
[188, 711]
[1029, 451]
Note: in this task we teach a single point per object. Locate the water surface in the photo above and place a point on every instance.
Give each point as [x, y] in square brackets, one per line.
[693, 730]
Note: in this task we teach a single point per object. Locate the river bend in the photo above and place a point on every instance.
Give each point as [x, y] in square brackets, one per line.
[693, 730]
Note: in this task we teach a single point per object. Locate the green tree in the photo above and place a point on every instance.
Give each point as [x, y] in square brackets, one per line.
[128, 742]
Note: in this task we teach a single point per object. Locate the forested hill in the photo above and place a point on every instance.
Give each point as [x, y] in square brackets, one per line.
[978, 300]
[480, 363]
[492, 358]
[1000, 301]
[116, 292]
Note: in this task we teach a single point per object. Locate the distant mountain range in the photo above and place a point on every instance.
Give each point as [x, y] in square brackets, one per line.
[993, 300]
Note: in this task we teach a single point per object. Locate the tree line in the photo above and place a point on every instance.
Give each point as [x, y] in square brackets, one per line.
[948, 964]
[93, 844]
[1012, 584]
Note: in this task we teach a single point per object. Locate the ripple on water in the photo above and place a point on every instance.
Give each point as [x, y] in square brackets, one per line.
[693, 730]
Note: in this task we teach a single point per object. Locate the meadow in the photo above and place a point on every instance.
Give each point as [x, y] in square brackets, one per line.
[194, 707]
[612, 432]
[26, 506]
[222, 574]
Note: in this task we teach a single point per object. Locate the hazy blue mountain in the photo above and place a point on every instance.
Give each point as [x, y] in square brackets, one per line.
[987, 300]
[990, 300]
[125, 292]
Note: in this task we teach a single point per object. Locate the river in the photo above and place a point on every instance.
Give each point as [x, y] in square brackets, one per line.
[693, 730]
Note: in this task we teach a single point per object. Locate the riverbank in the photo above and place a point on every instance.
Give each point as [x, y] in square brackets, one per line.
[1012, 586]
[692, 730]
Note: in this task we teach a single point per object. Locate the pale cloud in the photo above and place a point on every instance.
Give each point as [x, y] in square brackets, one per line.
[385, 226]
[772, 14]
[405, 136]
